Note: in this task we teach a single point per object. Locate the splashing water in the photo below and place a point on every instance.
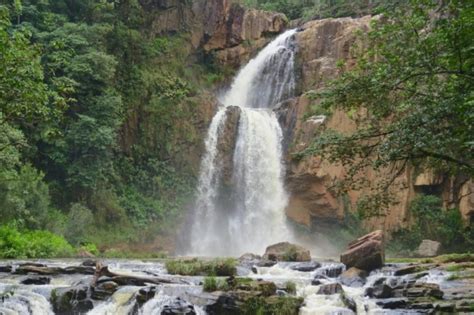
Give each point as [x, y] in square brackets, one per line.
[248, 214]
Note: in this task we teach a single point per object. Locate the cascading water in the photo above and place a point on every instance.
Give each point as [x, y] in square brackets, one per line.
[247, 214]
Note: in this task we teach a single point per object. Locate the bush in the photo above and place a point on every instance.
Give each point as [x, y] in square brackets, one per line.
[432, 222]
[195, 267]
[32, 244]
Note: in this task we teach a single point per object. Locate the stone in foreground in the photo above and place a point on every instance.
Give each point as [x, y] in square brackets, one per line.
[286, 251]
[429, 248]
[366, 253]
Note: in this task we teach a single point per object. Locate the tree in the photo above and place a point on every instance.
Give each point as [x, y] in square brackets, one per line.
[415, 86]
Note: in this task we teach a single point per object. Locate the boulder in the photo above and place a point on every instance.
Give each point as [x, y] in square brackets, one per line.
[36, 280]
[366, 253]
[353, 277]
[306, 266]
[285, 251]
[429, 248]
[71, 300]
[331, 288]
[6, 268]
[180, 307]
[332, 271]
[103, 290]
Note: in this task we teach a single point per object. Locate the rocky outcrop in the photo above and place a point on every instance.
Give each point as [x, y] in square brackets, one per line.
[366, 253]
[285, 251]
[227, 30]
[226, 143]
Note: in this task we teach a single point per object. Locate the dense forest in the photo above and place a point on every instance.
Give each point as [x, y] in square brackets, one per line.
[79, 170]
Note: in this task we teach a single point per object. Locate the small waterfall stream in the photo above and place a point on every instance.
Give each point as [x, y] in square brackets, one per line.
[248, 214]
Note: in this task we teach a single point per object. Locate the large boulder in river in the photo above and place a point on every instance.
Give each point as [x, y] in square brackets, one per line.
[429, 248]
[366, 253]
[286, 251]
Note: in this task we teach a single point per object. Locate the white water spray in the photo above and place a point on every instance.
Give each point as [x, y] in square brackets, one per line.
[248, 215]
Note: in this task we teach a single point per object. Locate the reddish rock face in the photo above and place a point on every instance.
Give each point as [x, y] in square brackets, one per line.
[366, 253]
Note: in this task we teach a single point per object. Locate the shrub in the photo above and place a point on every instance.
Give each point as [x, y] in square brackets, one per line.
[195, 267]
[32, 244]
[431, 222]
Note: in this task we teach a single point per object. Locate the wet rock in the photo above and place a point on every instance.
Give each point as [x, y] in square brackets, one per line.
[180, 307]
[266, 263]
[36, 280]
[353, 277]
[84, 270]
[286, 251]
[349, 302]
[306, 266]
[72, 300]
[411, 269]
[143, 295]
[429, 248]
[331, 288]
[415, 290]
[249, 256]
[42, 270]
[103, 290]
[316, 282]
[6, 268]
[379, 291]
[392, 303]
[89, 263]
[366, 253]
[333, 271]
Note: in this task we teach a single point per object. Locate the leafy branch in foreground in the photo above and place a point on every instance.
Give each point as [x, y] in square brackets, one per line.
[412, 95]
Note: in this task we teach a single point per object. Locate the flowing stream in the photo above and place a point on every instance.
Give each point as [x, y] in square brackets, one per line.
[246, 214]
[19, 298]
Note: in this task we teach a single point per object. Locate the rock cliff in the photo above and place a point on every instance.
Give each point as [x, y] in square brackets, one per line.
[323, 46]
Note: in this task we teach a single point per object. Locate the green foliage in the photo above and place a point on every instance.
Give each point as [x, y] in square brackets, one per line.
[432, 222]
[411, 96]
[212, 284]
[318, 9]
[195, 267]
[275, 305]
[16, 243]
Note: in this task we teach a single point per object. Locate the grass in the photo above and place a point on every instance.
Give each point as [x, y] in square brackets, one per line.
[459, 267]
[461, 276]
[274, 305]
[212, 284]
[290, 287]
[196, 267]
[399, 260]
[457, 258]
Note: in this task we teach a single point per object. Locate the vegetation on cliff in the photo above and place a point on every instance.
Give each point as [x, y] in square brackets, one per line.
[320, 9]
[93, 116]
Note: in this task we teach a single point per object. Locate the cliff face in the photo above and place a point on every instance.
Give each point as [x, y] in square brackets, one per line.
[231, 35]
[222, 28]
[322, 45]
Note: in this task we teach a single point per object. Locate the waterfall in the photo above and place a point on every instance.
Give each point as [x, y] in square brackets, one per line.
[241, 200]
